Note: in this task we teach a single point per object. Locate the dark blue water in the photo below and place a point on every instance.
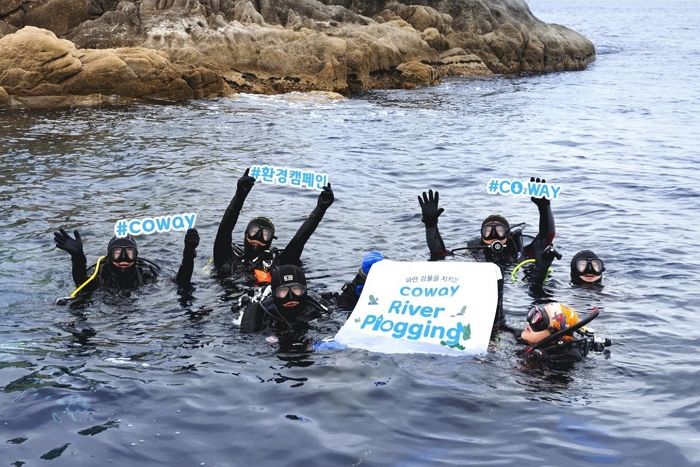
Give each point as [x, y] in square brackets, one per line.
[152, 381]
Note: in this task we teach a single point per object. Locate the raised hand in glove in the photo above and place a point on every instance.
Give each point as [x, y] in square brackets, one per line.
[191, 242]
[429, 208]
[540, 202]
[326, 198]
[74, 246]
[245, 183]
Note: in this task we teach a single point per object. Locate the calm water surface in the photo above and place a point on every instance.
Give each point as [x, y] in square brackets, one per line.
[153, 381]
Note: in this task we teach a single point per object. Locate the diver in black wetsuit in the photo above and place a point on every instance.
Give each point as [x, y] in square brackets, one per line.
[547, 318]
[257, 255]
[586, 268]
[497, 243]
[122, 268]
[556, 334]
[288, 311]
[351, 291]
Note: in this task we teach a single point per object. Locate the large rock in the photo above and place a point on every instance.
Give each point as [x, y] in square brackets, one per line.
[510, 39]
[4, 97]
[419, 16]
[6, 28]
[456, 62]
[434, 39]
[59, 15]
[114, 28]
[33, 62]
[199, 48]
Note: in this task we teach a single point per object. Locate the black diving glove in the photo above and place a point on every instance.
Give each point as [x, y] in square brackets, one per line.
[326, 198]
[191, 243]
[540, 202]
[544, 256]
[429, 208]
[74, 246]
[245, 183]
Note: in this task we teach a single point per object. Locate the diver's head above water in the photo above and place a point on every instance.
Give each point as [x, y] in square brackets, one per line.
[495, 228]
[288, 288]
[586, 268]
[544, 320]
[122, 252]
[258, 236]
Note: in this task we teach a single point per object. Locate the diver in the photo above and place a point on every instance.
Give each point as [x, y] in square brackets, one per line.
[351, 291]
[287, 311]
[121, 269]
[555, 333]
[586, 269]
[257, 256]
[498, 243]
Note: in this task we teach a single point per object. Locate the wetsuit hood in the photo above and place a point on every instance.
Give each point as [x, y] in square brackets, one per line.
[286, 277]
[251, 251]
[122, 242]
[123, 278]
[496, 218]
[575, 275]
[494, 255]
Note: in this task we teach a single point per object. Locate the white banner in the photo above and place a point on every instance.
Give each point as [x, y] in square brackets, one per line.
[433, 307]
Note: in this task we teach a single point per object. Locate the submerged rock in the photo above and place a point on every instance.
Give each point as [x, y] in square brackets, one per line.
[178, 49]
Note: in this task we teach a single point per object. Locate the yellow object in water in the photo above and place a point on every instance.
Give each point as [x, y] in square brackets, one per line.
[94, 274]
[523, 263]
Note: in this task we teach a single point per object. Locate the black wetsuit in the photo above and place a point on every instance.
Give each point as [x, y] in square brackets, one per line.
[536, 273]
[514, 250]
[143, 272]
[231, 259]
[565, 352]
[347, 299]
[262, 315]
[110, 277]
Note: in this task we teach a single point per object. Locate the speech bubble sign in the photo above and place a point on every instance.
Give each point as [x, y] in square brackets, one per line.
[524, 188]
[436, 307]
[288, 176]
[157, 224]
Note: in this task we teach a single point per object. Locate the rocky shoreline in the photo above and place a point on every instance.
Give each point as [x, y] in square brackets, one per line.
[81, 52]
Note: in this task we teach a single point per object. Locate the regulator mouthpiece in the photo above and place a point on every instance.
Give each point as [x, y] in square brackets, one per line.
[496, 247]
